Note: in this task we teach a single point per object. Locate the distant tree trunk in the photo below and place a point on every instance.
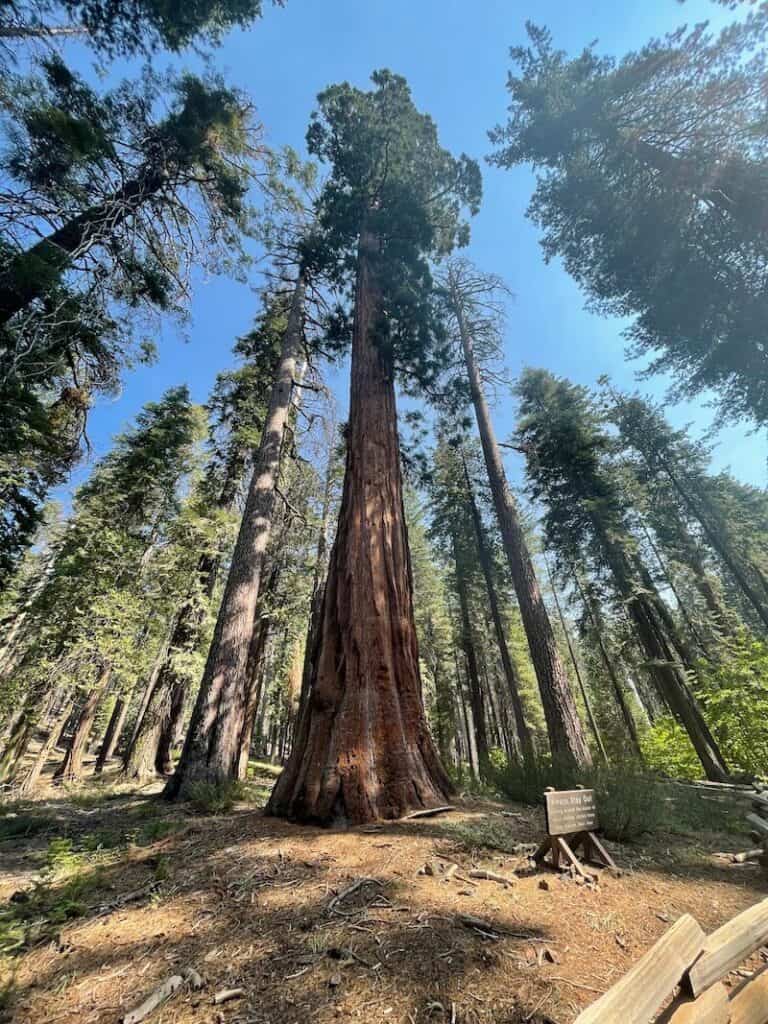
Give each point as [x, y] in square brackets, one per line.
[669, 578]
[169, 728]
[23, 729]
[148, 691]
[566, 736]
[363, 750]
[71, 768]
[254, 693]
[513, 686]
[473, 676]
[318, 586]
[574, 661]
[112, 735]
[212, 748]
[666, 671]
[618, 689]
[29, 783]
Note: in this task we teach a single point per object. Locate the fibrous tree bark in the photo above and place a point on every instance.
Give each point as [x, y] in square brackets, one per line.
[566, 735]
[523, 732]
[29, 782]
[362, 749]
[211, 752]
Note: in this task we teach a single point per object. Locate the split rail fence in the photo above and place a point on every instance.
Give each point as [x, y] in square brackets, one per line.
[684, 956]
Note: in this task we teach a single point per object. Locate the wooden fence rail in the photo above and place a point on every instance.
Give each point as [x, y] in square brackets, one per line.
[684, 956]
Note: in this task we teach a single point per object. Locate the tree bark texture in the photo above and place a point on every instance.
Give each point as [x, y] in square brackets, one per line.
[211, 751]
[566, 735]
[71, 768]
[363, 750]
[524, 736]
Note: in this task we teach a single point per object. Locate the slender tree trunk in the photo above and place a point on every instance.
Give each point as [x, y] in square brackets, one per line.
[667, 573]
[513, 686]
[254, 695]
[29, 782]
[318, 585]
[473, 676]
[212, 748]
[666, 671]
[23, 730]
[363, 750]
[112, 735]
[169, 728]
[566, 735]
[71, 768]
[618, 689]
[574, 661]
[29, 275]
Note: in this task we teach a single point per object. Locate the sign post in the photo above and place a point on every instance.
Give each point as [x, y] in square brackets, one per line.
[571, 821]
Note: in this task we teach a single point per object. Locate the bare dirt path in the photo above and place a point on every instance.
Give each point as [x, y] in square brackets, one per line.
[261, 905]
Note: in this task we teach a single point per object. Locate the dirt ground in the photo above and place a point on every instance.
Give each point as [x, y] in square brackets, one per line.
[332, 926]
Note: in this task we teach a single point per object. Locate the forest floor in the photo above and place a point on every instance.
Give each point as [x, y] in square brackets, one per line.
[105, 894]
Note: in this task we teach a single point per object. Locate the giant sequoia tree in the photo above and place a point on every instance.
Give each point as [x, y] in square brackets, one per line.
[393, 199]
[653, 189]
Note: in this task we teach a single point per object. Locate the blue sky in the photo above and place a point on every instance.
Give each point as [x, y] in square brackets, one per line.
[454, 54]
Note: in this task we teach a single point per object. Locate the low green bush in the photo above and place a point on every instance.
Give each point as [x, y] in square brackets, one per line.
[211, 798]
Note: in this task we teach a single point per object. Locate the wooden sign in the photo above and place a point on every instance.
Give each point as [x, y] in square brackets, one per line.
[571, 821]
[570, 811]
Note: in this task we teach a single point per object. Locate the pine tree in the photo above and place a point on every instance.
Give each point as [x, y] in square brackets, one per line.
[653, 188]
[566, 446]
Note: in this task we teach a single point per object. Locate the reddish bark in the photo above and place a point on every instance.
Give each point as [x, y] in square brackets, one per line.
[363, 750]
[112, 735]
[30, 780]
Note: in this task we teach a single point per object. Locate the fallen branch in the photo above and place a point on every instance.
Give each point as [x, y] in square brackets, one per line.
[491, 876]
[339, 897]
[742, 858]
[429, 812]
[226, 994]
[161, 994]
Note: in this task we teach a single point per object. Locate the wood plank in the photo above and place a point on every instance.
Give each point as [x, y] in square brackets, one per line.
[725, 948]
[711, 1007]
[643, 989]
[561, 843]
[758, 823]
[601, 850]
[749, 1003]
[760, 802]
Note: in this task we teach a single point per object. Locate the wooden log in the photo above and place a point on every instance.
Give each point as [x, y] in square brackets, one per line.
[749, 1003]
[747, 855]
[760, 802]
[725, 948]
[759, 824]
[711, 1007]
[160, 995]
[643, 989]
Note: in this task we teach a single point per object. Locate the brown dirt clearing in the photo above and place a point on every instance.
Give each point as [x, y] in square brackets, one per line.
[249, 902]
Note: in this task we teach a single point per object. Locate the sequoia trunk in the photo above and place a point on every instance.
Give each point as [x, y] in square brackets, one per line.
[211, 751]
[362, 749]
[566, 735]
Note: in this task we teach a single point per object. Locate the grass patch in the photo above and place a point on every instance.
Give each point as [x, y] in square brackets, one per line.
[482, 834]
[23, 826]
[263, 768]
[212, 798]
